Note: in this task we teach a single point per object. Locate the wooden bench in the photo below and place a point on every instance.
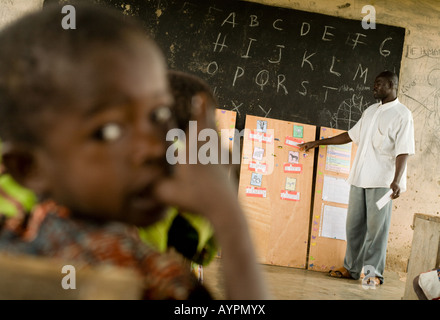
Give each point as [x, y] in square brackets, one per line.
[425, 250]
[35, 278]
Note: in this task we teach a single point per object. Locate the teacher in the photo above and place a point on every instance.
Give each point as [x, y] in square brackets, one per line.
[385, 138]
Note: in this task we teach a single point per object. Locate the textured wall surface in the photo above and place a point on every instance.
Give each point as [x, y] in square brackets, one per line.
[13, 9]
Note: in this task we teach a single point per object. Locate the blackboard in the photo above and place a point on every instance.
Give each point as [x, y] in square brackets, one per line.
[273, 62]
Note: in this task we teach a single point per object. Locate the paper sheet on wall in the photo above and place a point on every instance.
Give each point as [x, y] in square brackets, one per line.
[335, 190]
[338, 158]
[333, 222]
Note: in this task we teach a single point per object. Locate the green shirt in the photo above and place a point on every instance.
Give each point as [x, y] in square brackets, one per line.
[190, 234]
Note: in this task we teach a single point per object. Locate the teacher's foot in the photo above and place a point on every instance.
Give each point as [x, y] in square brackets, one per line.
[340, 273]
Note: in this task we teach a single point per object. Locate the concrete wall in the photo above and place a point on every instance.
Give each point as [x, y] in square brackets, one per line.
[419, 89]
[13, 9]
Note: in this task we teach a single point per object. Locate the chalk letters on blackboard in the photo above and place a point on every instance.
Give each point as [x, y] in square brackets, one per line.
[232, 21]
[299, 66]
[275, 24]
[303, 85]
[333, 64]
[249, 48]
[221, 45]
[262, 78]
[212, 68]
[364, 73]
[306, 59]
[239, 72]
[305, 28]
[254, 21]
[280, 46]
[356, 41]
[383, 52]
[326, 34]
[281, 79]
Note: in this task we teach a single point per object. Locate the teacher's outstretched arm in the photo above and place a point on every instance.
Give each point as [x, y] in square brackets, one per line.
[342, 138]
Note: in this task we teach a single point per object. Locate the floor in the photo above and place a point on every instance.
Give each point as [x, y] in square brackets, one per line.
[298, 284]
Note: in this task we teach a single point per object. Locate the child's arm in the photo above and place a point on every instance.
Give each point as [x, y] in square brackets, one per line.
[206, 190]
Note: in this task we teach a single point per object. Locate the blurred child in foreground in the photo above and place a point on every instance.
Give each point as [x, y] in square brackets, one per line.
[83, 120]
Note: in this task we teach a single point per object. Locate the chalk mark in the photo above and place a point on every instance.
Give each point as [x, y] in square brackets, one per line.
[349, 112]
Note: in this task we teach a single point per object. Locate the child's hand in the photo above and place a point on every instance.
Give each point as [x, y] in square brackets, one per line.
[197, 188]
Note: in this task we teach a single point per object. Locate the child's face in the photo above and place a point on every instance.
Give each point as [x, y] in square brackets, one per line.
[101, 159]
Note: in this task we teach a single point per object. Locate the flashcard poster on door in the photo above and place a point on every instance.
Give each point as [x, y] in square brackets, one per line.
[327, 233]
[275, 188]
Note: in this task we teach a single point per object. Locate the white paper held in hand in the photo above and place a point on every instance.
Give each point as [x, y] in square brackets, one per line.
[384, 200]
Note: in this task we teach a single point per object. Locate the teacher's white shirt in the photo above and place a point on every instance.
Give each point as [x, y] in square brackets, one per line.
[383, 132]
